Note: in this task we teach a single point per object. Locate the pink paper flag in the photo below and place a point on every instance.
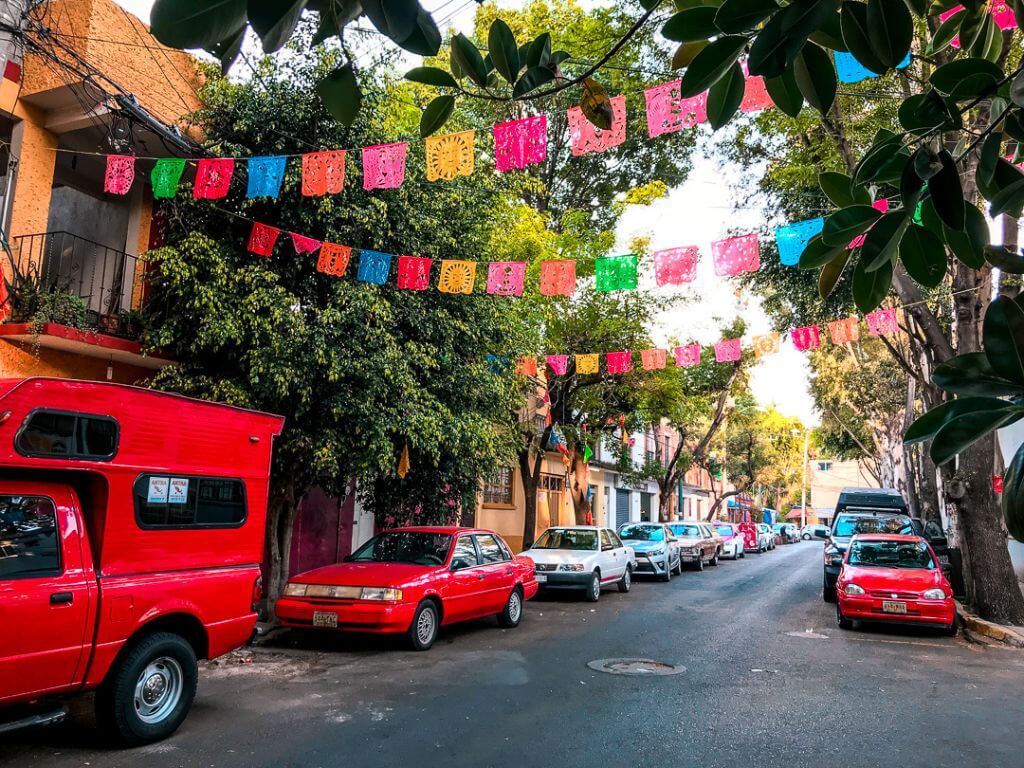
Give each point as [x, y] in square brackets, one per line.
[120, 174]
[755, 95]
[586, 137]
[652, 359]
[305, 244]
[414, 272]
[384, 165]
[519, 143]
[735, 255]
[558, 364]
[619, 362]
[882, 322]
[505, 278]
[807, 337]
[727, 350]
[1001, 13]
[668, 111]
[675, 266]
[882, 206]
[687, 356]
[262, 239]
[213, 178]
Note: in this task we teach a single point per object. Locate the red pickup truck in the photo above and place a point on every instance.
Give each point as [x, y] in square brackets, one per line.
[132, 525]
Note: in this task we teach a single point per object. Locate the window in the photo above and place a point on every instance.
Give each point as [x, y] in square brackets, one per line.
[29, 544]
[498, 488]
[172, 501]
[67, 435]
[824, 466]
[606, 540]
[464, 555]
[552, 483]
[615, 539]
[490, 550]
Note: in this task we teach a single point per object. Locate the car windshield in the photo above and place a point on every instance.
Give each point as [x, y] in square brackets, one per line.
[891, 554]
[725, 530]
[685, 530]
[405, 547]
[567, 538]
[850, 525]
[642, 533]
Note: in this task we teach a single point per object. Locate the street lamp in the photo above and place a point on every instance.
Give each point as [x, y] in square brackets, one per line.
[803, 480]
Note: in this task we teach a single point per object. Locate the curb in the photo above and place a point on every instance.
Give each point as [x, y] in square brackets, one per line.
[988, 629]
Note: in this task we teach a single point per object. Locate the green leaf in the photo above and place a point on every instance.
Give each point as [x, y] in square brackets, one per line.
[226, 51]
[596, 105]
[196, 23]
[838, 187]
[735, 16]
[969, 245]
[469, 61]
[503, 50]
[829, 34]
[880, 153]
[881, 243]
[785, 93]
[1003, 334]
[1013, 125]
[394, 18]
[972, 374]
[923, 256]
[1005, 259]
[431, 76]
[988, 160]
[911, 186]
[945, 33]
[924, 112]
[817, 253]
[947, 194]
[425, 39]
[816, 77]
[891, 30]
[692, 24]
[436, 114]
[274, 21]
[1017, 90]
[780, 40]
[928, 424]
[869, 288]
[686, 52]
[831, 273]
[853, 21]
[845, 224]
[966, 78]
[538, 54]
[962, 431]
[711, 64]
[340, 94]
[725, 96]
[532, 79]
[1012, 500]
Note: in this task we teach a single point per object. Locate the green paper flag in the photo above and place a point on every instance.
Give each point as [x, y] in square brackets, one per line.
[615, 273]
[166, 175]
[587, 454]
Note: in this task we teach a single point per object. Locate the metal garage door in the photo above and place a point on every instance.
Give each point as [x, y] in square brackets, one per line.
[621, 506]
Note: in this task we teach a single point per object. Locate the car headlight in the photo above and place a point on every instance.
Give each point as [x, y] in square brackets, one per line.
[657, 552]
[853, 589]
[934, 594]
[690, 550]
[380, 593]
[294, 590]
[571, 567]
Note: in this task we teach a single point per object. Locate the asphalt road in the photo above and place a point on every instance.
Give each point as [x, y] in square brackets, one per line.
[769, 681]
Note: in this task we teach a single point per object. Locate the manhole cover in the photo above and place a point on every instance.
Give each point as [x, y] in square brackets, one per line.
[637, 667]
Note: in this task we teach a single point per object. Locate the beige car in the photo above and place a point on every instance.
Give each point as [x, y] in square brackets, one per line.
[697, 544]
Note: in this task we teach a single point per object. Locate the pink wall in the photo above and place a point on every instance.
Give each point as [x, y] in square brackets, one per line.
[323, 531]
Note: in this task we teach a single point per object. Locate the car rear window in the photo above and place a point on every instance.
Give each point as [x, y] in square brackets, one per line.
[850, 525]
[188, 501]
[725, 530]
[67, 435]
[567, 538]
[685, 530]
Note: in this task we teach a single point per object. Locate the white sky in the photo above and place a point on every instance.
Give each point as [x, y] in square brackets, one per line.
[699, 211]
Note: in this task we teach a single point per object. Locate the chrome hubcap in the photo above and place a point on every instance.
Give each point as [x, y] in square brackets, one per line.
[158, 689]
[515, 607]
[425, 626]
[595, 586]
[628, 578]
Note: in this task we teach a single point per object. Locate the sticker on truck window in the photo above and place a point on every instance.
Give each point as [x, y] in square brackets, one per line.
[178, 492]
[158, 488]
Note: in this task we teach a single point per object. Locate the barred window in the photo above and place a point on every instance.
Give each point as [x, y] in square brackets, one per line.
[498, 488]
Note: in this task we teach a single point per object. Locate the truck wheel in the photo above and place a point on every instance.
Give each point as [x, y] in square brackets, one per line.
[147, 696]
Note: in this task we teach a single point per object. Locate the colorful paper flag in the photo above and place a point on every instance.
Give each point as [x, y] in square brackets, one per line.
[333, 259]
[165, 176]
[668, 111]
[675, 266]
[404, 464]
[849, 70]
[587, 364]
[687, 355]
[265, 176]
[414, 272]
[1001, 14]
[374, 267]
[755, 94]
[119, 175]
[585, 137]
[457, 276]
[615, 273]
[450, 156]
[806, 337]
[519, 143]
[882, 322]
[557, 278]
[792, 239]
[619, 362]
[505, 278]
[728, 350]
[526, 365]
[844, 331]
[652, 359]
[213, 178]
[262, 239]
[766, 344]
[736, 255]
[323, 173]
[303, 244]
[558, 364]
[384, 165]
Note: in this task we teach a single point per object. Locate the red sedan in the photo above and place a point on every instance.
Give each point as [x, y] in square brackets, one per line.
[893, 578]
[413, 581]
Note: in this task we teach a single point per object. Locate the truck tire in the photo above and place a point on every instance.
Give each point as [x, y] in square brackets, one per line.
[147, 695]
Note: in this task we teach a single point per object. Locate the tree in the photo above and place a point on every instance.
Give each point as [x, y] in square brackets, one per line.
[362, 373]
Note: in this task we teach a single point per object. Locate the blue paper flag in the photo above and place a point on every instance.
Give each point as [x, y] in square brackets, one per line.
[793, 238]
[265, 175]
[499, 364]
[374, 267]
[849, 70]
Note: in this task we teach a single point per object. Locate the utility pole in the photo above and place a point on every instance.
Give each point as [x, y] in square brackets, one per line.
[803, 485]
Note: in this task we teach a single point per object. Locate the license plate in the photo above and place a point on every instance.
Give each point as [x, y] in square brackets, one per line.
[325, 619]
[888, 606]
[542, 578]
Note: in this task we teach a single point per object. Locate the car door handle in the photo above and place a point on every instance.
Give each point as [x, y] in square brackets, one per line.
[479, 577]
[61, 598]
[508, 571]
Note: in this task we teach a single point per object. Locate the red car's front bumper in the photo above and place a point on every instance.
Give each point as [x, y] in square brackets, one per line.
[869, 608]
[353, 615]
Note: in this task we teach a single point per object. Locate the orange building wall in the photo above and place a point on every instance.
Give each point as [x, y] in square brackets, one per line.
[19, 360]
[36, 162]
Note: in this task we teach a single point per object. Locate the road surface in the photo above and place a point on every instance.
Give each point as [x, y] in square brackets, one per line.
[769, 680]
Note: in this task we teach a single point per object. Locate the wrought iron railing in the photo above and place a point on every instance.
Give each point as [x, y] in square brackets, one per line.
[106, 279]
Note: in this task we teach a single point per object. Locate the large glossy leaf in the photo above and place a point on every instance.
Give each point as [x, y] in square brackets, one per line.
[969, 245]
[735, 16]
[425, 39]
[1017, 90]
[501, 44]
[947, 194]
[436, 114]
[196, 23]
[925, 112]
[785, 33]
[911, 186]
[1012, 498]
[839, 188]
[853, 22]
[1004, 259]
[869, 288]
[340, 94]
[881, 152]
[881, 243]
[966, 78]
[961, 431]
[692, 24]
[686, 52]
[829, 34]
[1009, 199]
[817, 253]
[538, 53]
[469, 61]
[431, 76]
[816, 77]
[923, 255]
[845, 224]
[531, 80]
[394, 18]
[226, 51]
[711, 64]
[830, 274]
[926, 425]
[945, 33]
[972, 374]
[1003, 333]
[890, 29]
[785, 93]
[725, 96]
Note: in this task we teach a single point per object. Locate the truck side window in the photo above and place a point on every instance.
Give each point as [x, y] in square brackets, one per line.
[180, 501]
[68, 435]
[29, 544]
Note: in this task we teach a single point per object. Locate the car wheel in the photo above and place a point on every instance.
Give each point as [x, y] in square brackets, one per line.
[699, 565]
[950, 631]
[743, 553]
[667, 575]
[844, 623]
[148, 694]
[714, 560]
[594, 588]
[828, 594]
[626, 582]
[679, 565]
[806, 537]
[513, 613]
[423, 630]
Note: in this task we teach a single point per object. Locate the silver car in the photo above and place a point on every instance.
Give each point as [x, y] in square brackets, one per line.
[655, 547]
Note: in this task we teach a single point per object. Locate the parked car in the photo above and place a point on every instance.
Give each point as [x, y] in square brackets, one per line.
[893, 578]
[816, 530]
[655, 548]
[785, 533]
[732, 540]
[132, 524]
[585, 557]
[765, 537]
[697, 545]
[413, 581]
[751, 537]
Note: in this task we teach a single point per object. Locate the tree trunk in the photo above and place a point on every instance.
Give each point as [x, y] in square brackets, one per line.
[529, 474]
[928, 490]
[281, 513]
[579, 483]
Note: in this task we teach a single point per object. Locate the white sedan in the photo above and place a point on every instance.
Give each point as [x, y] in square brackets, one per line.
[584, 557]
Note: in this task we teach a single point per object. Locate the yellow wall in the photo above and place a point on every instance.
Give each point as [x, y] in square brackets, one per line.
[508, 520]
